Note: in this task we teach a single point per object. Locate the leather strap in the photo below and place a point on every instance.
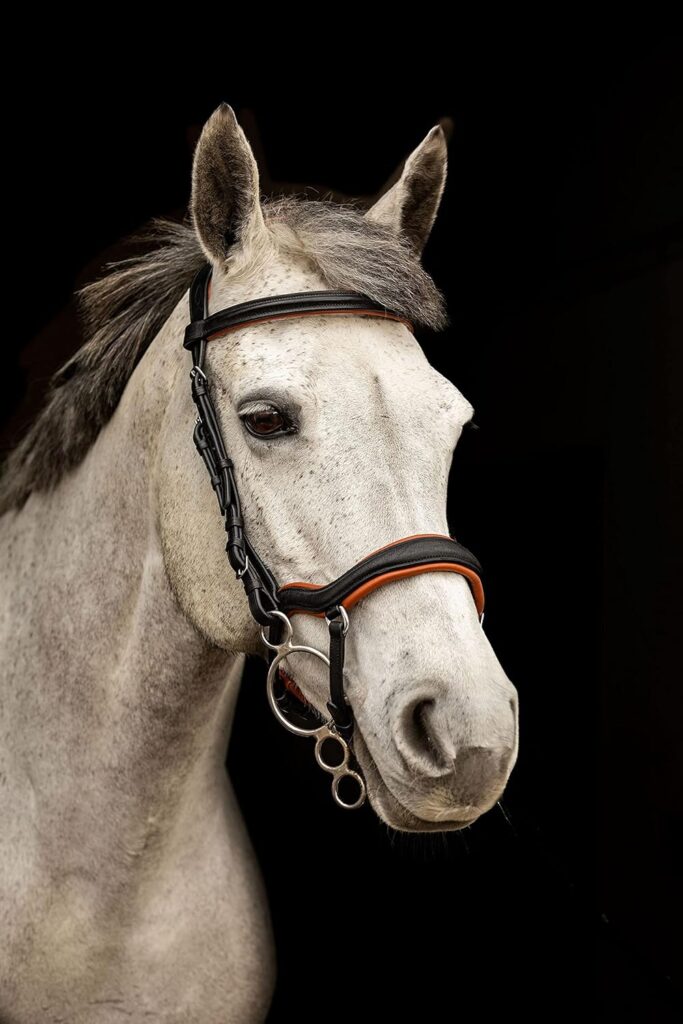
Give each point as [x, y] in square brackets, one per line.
[398, 560]
[337, 705]
[259, 583]
[282, 307]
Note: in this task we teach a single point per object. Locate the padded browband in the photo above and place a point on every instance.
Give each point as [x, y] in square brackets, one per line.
[422, 552]
[284, 306]
[281, 307]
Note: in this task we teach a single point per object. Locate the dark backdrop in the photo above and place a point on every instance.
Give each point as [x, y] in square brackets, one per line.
[558, 247]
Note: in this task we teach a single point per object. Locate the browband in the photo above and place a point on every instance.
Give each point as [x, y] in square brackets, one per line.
[282, 307]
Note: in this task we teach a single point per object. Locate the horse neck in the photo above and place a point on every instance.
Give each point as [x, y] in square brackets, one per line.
[104, 676]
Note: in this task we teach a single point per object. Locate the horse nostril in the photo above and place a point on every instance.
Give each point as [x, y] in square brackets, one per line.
[420, 730]
[436, 742]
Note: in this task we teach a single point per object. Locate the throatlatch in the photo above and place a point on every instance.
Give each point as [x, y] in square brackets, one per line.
[272, 605]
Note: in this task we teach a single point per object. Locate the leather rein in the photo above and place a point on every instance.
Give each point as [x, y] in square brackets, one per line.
[272, 604]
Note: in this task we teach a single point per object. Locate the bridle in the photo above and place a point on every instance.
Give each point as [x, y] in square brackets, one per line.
[271, 604]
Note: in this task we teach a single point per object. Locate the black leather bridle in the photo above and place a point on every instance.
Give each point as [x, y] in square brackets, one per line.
[270, 603]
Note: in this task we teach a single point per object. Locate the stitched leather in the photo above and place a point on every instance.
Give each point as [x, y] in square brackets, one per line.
[402, 554]
[282, 306]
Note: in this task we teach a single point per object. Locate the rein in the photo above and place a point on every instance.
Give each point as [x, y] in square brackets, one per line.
[272, 604]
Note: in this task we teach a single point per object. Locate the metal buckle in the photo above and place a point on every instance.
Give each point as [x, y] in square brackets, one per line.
[239, 573]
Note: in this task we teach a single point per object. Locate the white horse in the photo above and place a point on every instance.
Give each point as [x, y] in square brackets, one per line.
[128, 886]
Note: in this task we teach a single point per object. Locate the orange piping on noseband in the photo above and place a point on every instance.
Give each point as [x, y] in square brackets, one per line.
[396, 574]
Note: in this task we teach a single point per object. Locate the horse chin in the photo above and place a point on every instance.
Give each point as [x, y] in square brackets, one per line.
[385, 804]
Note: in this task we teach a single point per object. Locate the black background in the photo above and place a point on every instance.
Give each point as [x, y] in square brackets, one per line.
[558, 247]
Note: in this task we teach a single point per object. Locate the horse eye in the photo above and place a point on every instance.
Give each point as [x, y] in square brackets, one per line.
[266, 422]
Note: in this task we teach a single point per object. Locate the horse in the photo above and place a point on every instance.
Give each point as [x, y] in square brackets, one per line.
[128, 883]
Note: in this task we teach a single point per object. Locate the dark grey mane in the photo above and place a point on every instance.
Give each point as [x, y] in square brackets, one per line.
[124, 310]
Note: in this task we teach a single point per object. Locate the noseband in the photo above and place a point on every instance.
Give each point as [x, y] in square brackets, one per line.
[272, 604]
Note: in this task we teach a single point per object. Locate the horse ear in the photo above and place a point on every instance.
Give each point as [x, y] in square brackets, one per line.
[225, 204]
[411, 204]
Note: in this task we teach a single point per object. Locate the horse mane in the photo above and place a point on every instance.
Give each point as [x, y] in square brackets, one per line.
[124, 310]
